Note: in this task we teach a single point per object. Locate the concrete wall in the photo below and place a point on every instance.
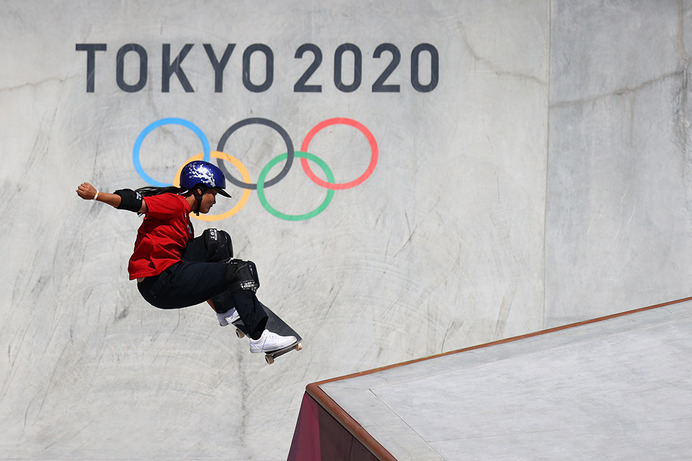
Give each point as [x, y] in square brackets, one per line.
[619, 203]
[543, 179]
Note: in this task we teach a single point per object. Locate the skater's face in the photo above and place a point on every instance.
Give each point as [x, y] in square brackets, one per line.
[208, 201]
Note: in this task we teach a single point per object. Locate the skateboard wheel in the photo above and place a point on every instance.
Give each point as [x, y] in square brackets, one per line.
[299, 346]
[239, 333]
[269, 359]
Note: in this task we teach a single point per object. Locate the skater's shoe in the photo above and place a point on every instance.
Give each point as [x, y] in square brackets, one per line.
[227, 317]
[270, 342]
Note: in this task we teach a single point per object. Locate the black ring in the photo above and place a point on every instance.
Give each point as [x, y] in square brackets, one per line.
[270, 124]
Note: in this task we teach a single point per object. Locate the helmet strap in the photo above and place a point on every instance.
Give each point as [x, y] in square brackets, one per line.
[198, 198]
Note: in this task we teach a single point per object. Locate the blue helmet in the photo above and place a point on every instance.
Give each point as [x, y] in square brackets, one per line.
[203, 173]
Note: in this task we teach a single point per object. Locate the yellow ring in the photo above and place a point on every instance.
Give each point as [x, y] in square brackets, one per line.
[243, 172]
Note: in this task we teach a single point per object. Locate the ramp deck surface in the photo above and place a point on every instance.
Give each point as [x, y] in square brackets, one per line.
[619, 387]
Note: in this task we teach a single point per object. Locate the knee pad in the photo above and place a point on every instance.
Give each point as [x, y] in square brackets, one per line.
[242, 275]
[219, 245]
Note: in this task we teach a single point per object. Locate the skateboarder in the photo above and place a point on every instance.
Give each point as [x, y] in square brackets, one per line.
[175, 270]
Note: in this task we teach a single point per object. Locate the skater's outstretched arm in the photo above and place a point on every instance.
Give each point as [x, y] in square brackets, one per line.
[89, 192]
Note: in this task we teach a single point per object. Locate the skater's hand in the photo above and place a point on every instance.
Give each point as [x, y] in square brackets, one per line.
[87, 191]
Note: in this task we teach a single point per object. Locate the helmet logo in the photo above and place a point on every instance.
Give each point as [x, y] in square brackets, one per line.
[203, 175]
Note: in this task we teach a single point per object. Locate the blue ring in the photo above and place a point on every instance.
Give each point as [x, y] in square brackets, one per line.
[166, 121]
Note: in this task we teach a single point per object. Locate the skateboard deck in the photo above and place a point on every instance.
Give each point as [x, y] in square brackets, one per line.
[278, 326]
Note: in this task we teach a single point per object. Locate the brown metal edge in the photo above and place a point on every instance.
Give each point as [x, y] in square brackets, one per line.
[369, 442]
[350, 424]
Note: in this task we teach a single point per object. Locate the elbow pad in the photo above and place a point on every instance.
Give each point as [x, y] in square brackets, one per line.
[129, 200]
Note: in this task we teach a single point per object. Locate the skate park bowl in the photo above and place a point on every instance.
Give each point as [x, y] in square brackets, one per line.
[617, 387]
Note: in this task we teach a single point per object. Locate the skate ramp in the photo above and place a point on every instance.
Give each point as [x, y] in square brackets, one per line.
[611, 388]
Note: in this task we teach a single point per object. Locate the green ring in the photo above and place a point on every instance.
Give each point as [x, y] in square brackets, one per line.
[290, 217]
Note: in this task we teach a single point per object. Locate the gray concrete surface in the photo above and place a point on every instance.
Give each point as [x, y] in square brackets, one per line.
[544, 180]
[614, 389]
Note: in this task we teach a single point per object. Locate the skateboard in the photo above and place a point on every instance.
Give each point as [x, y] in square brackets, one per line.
[276, 325]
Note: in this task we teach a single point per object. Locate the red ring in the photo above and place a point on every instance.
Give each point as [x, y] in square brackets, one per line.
[342, 121]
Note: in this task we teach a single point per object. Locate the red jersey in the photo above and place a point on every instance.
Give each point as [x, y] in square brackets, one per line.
[162, 237]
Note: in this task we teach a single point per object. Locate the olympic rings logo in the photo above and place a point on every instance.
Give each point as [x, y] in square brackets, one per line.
[262, 182]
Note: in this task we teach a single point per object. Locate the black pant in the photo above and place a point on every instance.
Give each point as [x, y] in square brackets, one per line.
[195, 280]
